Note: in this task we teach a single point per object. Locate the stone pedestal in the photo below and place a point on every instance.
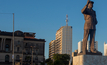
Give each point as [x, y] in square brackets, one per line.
[90, 60]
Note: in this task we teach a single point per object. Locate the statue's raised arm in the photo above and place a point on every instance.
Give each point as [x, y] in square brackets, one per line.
[83, 10]
[88, 2]
[86, 6]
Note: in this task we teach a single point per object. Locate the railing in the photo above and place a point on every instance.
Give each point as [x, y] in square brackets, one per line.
[17, 51]
[18, 60]
[33, 53]
[3, 51]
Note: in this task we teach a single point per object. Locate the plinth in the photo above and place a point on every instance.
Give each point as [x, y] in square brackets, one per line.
[90, 60]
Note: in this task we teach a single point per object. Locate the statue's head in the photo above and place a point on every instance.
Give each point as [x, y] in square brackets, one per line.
[90, 4]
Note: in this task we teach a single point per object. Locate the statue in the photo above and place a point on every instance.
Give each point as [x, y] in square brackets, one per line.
[89, 27]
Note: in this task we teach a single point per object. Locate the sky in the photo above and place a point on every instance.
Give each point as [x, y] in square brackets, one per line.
[45, 17]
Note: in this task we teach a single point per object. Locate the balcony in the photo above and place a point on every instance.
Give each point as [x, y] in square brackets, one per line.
[28, 53]
[18, 52]
[17, 60]
[27, 46]
[3, 51]
[33, 53]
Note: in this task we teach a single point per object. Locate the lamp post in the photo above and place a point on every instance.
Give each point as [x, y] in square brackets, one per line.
[13, 41]
[13, 38]
[22, 58]
[32, 55]
[37, 50]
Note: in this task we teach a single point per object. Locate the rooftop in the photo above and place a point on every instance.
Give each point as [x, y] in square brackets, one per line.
[18, 33]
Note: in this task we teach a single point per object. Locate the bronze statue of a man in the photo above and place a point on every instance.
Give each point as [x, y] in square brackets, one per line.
[89, 26]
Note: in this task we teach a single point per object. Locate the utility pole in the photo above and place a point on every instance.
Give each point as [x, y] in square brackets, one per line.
[32, 55]
[13, 38]
[22, 58]
[37, 54]
[13, 42]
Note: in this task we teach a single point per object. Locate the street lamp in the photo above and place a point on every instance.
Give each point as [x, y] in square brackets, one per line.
[37, 50]
[13, 38]
[22, 57]
[32, 54]
[13, 41]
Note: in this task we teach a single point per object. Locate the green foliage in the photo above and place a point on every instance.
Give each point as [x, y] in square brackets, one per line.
[58, 62]
[42, 63]
[59, 59]
[64, 57]
[49, 61]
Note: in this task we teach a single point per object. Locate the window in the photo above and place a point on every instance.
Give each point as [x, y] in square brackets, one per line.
[17, 57]
[17, 49]
[7, 48]
[36, 58]
[37, 51]
[26, 44]
[18, 42]
[7, 58]
[26, 51]
[36, 45]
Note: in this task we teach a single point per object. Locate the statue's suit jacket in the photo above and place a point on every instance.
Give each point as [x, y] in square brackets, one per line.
[90, 18]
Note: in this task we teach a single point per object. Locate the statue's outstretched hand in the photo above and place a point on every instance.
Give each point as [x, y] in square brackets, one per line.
[87, 2]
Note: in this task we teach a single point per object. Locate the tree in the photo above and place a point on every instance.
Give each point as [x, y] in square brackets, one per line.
[42, 63]
[61, 59]
[49, 61]
[58, 59]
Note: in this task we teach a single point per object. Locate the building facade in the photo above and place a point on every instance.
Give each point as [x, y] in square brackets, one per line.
[27, 49]
[51, 49]
[63, 42]
[88, 46]
[105, 49]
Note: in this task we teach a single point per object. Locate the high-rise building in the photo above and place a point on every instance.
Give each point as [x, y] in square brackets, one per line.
[88, 46]
[96, 45]
[105, 49]
[51, 49]
[63, 42]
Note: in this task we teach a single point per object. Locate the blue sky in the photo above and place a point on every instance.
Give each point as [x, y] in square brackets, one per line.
[45, 17]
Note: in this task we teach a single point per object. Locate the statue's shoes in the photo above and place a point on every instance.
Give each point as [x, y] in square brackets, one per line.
[94, 51]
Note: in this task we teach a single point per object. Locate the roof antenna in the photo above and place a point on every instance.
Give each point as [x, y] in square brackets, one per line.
[67, 20]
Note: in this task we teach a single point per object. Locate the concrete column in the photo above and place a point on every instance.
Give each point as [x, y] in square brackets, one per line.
[1, 43]
[11, 45]
[4, 44]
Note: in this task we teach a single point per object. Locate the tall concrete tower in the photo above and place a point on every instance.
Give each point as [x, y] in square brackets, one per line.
[51, 49]
[63, 43]
[105, 49]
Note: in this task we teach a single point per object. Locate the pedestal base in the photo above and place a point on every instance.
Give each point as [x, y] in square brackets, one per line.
[90, 60]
